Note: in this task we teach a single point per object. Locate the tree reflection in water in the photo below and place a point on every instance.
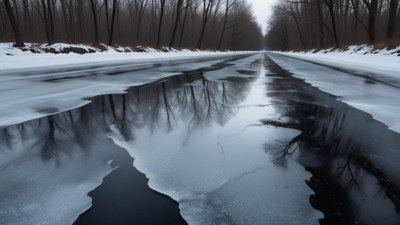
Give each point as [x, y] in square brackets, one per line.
[158, 105]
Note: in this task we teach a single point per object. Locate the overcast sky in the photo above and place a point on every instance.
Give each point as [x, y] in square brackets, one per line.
[262, 11]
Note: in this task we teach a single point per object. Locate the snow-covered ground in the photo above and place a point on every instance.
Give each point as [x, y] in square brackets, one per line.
[383, 64]
[15, 58]
[376, 93]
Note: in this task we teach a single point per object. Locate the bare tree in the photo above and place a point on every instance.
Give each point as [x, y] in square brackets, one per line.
[179, 5]
[372, 7]
[96, 29]
[44, 15]
[320, 24]
[331, 4]
[290, 10]
[162, 2]
[140, 9]
[17, 35]
[207, 7]
[106, 8]
[394, 5]
[188, 3]
[110, 39]
[51, 21]
[228, 6]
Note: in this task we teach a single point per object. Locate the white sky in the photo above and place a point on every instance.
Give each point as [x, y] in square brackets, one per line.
[262, 11]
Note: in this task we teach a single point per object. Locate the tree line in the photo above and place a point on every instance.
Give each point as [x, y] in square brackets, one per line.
[305, 24]
[201, 24]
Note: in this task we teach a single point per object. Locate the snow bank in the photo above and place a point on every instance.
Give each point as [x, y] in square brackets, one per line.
[57, 48]
[362, 59]
[355, 50]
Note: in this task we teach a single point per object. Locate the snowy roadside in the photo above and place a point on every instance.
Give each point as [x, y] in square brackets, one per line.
[14, 58]
[379, 99]
[382, 64]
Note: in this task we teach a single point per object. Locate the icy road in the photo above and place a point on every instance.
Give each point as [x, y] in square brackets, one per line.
[250, 138]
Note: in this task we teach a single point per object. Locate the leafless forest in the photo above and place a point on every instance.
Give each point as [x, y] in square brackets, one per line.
[305, 24]
[201, 24]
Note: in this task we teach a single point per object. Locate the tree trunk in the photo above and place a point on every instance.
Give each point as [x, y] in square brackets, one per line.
[177, 18]
[71, 21]
[320, 25]
[46, 22]
[96, 30]
[293, 14]
[333, 20]
[372, 7]
[16, 11]
[394, 5]
[110, 40]
[184, 23]
[227, 6]
[372, 21]
[27, 17]
[107, 17]
[143, 3]
[206, 13]
[17, 35]
[160, 23]
[67, 31]
[51, 22]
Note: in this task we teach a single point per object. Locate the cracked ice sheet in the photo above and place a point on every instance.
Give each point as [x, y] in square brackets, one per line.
[220, 174]
[234, 70]
[379, 100]
[52, 191]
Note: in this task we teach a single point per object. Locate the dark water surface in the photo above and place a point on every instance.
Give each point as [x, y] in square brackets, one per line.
[242, 142]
